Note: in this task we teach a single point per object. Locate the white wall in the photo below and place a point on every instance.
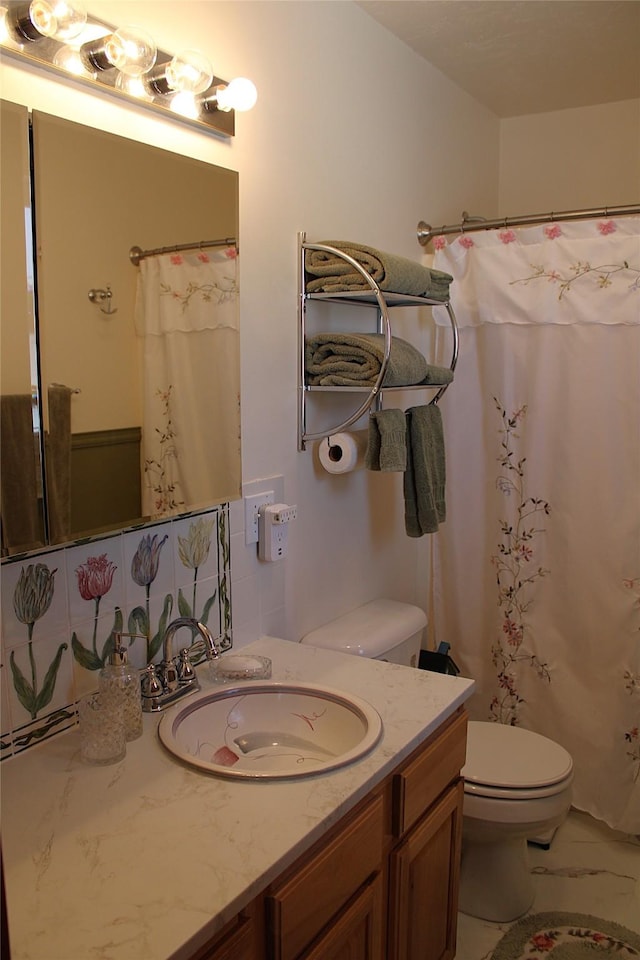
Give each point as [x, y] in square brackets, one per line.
[570, 159]
[353, 137]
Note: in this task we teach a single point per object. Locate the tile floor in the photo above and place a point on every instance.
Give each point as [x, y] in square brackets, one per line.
[588, 869]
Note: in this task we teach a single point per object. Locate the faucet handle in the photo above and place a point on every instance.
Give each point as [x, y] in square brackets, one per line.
[186, 673]
[151, 684]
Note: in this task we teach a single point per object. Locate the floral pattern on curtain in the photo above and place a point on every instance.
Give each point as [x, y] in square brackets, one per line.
[187, 313]
[536, 574]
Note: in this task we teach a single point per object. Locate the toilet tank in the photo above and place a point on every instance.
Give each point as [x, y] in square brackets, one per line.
[381, 630]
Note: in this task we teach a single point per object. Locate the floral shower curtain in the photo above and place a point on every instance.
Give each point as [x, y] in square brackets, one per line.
[536, 574]
[187, 313]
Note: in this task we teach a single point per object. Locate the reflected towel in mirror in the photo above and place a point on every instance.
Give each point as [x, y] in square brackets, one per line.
[57, 445]
[20, 506]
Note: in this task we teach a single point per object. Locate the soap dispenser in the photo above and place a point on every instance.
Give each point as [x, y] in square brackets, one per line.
[118, 677]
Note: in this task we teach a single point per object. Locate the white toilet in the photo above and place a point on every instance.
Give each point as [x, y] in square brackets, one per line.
[380, 630]
[517, 784]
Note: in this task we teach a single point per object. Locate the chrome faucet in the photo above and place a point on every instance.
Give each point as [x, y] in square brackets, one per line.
[164, 683]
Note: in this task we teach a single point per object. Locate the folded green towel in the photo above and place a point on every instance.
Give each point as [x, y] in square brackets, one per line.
[329, 273]
[424, 478]
[355, 359]
[387, 441]
[437, 375]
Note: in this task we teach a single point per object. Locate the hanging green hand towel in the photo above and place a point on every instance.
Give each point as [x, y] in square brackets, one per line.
[424, 478]
[387, 441]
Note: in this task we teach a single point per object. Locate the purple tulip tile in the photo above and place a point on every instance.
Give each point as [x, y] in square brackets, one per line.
[148, 563]
[151, 620]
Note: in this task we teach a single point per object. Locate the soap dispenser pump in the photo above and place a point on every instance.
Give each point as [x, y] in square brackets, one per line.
[118, 677]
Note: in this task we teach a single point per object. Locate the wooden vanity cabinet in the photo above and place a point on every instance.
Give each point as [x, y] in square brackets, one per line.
[384, 884]
[240, 939]
[381, 885]
[332, 900]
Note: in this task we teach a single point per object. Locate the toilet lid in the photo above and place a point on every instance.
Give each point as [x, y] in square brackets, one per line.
[513, 758]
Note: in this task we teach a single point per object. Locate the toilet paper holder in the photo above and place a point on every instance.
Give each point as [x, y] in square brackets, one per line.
[343, 452]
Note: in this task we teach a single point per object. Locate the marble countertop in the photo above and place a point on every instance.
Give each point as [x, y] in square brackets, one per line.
[146, 859]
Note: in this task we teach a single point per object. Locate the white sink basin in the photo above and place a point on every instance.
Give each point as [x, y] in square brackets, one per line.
[270, 730]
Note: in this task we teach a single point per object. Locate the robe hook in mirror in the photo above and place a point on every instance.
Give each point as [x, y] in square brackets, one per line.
[101, 297]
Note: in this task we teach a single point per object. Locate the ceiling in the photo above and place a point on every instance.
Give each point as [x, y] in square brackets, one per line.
[524, 56]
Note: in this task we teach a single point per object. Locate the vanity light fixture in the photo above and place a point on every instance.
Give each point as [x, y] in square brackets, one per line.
[59, 37]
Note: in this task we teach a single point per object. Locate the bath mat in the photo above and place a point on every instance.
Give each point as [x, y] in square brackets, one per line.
[567, 936]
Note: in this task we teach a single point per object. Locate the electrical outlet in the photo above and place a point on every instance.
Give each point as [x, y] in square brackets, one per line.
[273, 529]
[251, 508]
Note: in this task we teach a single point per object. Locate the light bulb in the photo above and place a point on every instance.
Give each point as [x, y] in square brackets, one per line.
[5, 37]
[46, 18]
[130, 50]
[133, 87]
[68, 58]
[57, 19]
[190, 72]
[187, 72]
[185, 104]
[239, 95]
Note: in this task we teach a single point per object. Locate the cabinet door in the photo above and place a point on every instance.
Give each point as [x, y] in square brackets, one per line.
[356, 934]
[319, 888]
[423, 884]
[429, 771]
[237, 942]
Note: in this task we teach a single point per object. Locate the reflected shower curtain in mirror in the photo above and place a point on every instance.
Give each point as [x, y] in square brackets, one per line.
[536, 574]
[187, 313]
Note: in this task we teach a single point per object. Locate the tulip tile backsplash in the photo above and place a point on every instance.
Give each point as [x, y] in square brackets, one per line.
[61, 608]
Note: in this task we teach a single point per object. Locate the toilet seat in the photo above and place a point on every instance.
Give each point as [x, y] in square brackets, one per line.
[511, 763]
[499, 793]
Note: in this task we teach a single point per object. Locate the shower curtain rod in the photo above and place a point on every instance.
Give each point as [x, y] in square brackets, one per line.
[468, 223]
[136, 254]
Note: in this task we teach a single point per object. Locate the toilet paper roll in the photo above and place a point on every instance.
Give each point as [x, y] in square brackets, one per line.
[343, 452]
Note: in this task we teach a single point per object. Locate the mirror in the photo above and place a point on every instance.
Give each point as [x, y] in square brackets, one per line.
[85, 358]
